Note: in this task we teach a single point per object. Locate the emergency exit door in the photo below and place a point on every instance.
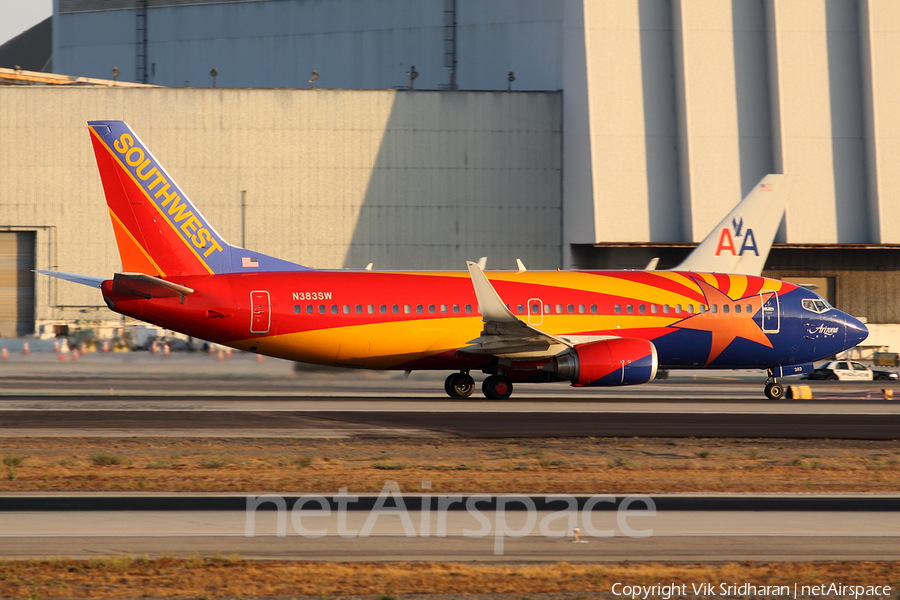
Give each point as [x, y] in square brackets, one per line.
[260, 312]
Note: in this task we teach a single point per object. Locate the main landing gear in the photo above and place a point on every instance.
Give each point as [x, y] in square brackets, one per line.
[459, 385]
[497, 387]
[774, 390]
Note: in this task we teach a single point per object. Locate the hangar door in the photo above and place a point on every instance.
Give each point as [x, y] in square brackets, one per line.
[16, 283]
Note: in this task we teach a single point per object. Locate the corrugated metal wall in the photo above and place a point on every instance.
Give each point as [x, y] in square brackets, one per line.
[16, 283]
[332, 179]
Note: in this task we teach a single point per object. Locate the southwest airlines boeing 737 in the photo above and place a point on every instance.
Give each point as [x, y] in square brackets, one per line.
[591, 328]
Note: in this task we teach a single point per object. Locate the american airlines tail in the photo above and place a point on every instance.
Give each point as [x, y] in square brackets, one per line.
[158, 230]
[740, 243]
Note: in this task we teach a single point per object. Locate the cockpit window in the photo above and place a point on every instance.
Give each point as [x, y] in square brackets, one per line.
[816, 305]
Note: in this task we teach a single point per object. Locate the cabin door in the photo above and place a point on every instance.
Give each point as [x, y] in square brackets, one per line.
[771, 313]
[260, 312]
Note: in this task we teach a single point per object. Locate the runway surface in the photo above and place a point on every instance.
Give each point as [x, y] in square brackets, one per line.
[139, 394]
[472, 421]
[543, 535]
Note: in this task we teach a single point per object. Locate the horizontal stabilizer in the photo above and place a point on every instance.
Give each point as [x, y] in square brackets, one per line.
[75, 278]
[139, 284]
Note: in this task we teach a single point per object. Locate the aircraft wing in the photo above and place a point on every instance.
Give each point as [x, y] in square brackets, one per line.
[505, 334]
[75, 278]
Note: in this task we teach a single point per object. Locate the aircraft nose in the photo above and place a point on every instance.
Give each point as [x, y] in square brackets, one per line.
[855, 331]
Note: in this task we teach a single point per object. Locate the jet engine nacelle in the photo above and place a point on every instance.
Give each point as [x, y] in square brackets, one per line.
[619, 361]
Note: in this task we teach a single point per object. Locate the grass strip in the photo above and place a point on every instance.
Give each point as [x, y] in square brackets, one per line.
[128, 576]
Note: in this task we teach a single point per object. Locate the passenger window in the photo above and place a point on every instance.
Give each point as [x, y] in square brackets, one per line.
[359, 309]
[334, 309]
[535, 309]
[593, 309]
[570, 309]
[690, 309]
[370, 309]
[749, 309]
[581, 309]
[737, 308]
[618, 309]
[431, 308]
[702, 308]
[547, 309]
[642, 309]
[665, 309]
[407, 308]
[309, 309]
[395, 309]
[321, 309]
[630, 309]
[726, 309]
[559, 309]
[346, 309]
[715, 308]
[653, 308]
[296, 309]
[443, 308]
[468, 308]
[677, 309]
[520, 308]
[420, 309]
[456, 308]
[382, 309]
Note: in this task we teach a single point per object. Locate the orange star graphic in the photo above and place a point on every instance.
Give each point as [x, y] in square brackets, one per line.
[725, 327]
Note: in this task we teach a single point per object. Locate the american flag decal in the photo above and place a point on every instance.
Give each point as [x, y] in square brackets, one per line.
[766, 187]
[249, 261]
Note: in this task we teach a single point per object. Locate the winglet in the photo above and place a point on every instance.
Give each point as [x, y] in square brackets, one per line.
[493, 310]
[482, 263]
[520, 265]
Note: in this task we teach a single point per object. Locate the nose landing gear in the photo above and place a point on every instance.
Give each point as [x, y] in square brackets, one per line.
[459, 385]
[774, 390]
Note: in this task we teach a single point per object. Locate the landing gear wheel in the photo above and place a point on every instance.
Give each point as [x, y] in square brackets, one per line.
[459, 385]
[774, 391]
[497, 387]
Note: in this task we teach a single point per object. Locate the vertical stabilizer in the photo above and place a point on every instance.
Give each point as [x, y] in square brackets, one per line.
[740, 243]
[158, 229]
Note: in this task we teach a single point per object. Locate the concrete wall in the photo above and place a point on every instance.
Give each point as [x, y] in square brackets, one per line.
[673, 109]
[407, 180]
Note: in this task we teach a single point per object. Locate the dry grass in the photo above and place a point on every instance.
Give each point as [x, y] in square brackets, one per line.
[124, 576]
[579, 465]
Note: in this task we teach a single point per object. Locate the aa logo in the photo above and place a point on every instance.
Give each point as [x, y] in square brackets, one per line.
[727, 240]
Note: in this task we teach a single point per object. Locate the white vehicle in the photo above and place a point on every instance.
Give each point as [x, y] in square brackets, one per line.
[847, 370]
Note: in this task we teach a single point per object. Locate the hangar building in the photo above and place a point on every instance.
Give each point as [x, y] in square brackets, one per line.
[665, 113]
